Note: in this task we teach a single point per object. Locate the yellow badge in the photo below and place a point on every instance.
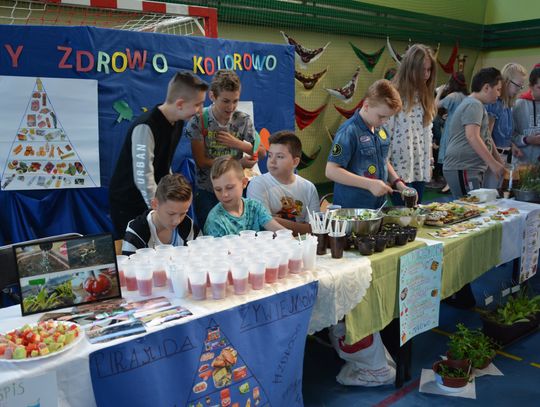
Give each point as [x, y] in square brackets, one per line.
[382, 134]
[372, 169]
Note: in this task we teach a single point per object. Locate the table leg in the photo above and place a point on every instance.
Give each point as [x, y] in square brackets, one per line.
[402, 355]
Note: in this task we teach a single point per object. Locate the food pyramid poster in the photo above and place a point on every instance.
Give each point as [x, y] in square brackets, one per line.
[49, 137]
[223, 378]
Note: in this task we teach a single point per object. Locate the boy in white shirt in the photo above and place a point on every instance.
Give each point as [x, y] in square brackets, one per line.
[285, 194]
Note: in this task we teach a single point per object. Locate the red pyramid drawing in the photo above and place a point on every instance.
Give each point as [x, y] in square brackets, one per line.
[223, 378]
[42, 155]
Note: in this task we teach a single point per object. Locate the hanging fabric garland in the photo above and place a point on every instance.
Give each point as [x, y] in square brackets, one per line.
[369, 60]
[346, 92]
[309, 81]
[307, 160]
[449, 66]
[395, 56]
[305, 117]
[330, 135]
[348, 113]
[390, 73]
[436, 53]
[305, 55]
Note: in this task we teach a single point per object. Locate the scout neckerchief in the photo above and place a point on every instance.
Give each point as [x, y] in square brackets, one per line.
[203, 117]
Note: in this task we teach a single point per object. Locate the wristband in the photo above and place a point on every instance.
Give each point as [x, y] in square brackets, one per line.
[525, 141]
[396, 181]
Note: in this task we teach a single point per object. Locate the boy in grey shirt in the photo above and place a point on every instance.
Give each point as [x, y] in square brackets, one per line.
[526, 115]
[470, 149]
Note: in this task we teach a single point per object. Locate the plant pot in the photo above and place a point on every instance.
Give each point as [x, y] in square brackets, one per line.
[526, 196]
[453, 382]
[365, 245]
[504, 334]
[401, 238]
[458, 363]
[486, 362]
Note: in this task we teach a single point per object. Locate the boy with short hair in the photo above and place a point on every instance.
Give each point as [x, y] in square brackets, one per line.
[220, 130]
[286, 195]
[234, 213]
[470, 149]
[526, 115]
[167, 222]
[358, 160]
[148, 149]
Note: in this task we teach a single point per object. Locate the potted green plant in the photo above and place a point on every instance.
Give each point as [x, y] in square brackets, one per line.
[519, 316]
[529, 184]
[451, 373]
[473, 345]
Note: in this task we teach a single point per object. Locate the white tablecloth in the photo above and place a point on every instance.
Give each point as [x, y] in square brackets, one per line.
[342, 285]
[513, 228]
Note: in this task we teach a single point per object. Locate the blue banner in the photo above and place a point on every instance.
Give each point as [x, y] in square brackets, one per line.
[132, 69]
[251, 355]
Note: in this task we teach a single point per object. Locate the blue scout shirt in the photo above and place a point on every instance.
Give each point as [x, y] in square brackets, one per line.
[358, 150]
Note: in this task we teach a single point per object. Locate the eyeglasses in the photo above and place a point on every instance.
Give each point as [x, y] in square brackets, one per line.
[517, 85]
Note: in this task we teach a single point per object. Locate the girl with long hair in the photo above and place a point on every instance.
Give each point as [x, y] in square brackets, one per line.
[410, 129]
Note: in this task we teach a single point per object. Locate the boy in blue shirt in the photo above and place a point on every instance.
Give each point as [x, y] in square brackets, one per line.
[233, 213]
[358, 161]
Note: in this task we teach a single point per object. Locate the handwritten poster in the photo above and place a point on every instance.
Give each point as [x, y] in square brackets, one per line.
[49, 133]
[419, 291]
[37, 391]
[251, 355]
[531, 245]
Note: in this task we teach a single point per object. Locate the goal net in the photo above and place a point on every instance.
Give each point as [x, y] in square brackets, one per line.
[134, 15]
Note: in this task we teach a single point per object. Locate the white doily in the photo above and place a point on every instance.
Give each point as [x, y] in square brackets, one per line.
[342, 285]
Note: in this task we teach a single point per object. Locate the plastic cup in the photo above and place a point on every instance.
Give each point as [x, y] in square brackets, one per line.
[284, 255]
[121, 262]
[265, 235]
[309, 257]
[272, 267]
[144, 279]
[178, 280]
[131, 277]
[232, 260]
[257, 273]
[197, 280]
[240, 273]
[295, 259]
[247, 234]
[218, 281]
[322, 243]
[159, 275]
[283, 233]
[145, 251]
[179, 251]
[337, 244]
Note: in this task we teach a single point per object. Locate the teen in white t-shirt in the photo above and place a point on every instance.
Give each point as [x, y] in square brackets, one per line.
[285, 194]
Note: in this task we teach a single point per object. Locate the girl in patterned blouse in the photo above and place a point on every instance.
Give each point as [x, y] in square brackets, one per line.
[410, 129]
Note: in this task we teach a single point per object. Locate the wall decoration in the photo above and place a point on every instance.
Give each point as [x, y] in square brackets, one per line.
[346, 92]
[390, 73]
[369, 60]
[330, 135]
[461, 59]
[309, 81]
[449, 66]
[348, 113]
[395, 56]
[436, 52]
[307, 160]
[305, 117]
[51, 133]
[304, 55]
